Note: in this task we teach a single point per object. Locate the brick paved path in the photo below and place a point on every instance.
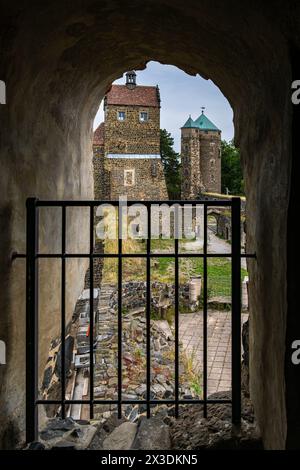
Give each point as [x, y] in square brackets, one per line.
[219, 345]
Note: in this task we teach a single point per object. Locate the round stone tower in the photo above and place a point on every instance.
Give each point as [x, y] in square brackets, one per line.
[201, 157]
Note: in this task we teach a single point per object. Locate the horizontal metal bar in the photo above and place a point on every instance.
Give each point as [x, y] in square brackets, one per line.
[131, 402]
[18, 255]
[85, 203]
[135, 255]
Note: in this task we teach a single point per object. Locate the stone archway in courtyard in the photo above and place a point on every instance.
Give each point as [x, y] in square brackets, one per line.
[58, 68]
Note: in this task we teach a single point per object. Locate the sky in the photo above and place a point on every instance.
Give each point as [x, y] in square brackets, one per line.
[181, 95]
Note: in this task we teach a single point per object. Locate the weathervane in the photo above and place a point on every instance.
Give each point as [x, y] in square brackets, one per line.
[203, 108]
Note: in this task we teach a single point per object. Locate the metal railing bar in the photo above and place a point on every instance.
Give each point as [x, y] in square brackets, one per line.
[136, 402]
[140, 255]
[31, 320]
[176, 225]
[120, 332]
[91, 312]
[132, 255]
[236, 311]
[148, 313]
[205, 314]
[87, 203]
[63, 312]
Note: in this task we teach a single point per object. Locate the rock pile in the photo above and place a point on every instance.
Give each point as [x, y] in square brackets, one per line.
[191, 431]
[134, 296]
[162, 349]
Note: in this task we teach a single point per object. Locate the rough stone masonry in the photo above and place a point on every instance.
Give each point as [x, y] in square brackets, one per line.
[126, 147]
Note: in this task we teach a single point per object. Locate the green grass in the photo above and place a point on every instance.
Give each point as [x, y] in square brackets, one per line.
[134, 269]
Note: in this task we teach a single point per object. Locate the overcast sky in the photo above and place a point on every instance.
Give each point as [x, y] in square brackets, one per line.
[181, 95]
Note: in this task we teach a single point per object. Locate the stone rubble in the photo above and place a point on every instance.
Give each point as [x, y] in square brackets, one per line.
[162, 348]
[162, 431]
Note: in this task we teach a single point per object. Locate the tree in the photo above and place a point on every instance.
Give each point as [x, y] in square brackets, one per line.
[171, 163]
[232, 176]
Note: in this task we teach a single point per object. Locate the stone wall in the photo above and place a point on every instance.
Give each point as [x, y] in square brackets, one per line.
[192, 183]
[148, 175]
[210, 160]
[134, 296]
[101, 175]
[132, 135]
[201, 162]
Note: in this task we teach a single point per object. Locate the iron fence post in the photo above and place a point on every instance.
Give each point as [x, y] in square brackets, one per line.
[31, 320]
[236, 309]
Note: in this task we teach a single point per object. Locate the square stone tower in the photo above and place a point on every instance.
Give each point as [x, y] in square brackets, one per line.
[126, 146]
[200, 157]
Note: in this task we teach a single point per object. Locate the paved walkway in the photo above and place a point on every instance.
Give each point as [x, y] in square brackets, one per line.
[215, 245]
[219, 345]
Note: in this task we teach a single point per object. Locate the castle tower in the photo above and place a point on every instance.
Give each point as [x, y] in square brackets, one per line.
[131, 143]
[201, 157]
[190, 160]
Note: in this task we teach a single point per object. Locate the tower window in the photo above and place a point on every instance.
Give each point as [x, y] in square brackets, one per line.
[121, 116]
[129, 177]
[144, 116]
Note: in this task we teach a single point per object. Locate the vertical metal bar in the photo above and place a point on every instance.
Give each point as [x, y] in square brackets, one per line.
[176, 235]
[63, 313]
[205, 312]
[31, 320]
[236, 309]
[148, 310]
[91, 312]
[120, 332]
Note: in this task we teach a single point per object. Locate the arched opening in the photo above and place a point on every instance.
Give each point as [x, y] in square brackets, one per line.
[46, 150]
[122, 148]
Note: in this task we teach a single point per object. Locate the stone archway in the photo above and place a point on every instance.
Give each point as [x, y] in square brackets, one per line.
[57, 61]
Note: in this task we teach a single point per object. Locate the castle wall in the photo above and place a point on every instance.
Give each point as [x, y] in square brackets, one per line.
[101, 175]
[132, 135]
[137, 178]
[190, 158]
[210, 160]
[201, 162]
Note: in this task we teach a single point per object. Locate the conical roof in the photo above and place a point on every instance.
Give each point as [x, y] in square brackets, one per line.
[203, 123]
[189, 123]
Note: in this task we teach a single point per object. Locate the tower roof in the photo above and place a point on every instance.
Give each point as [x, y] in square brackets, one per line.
[203, 123]
[189, 123]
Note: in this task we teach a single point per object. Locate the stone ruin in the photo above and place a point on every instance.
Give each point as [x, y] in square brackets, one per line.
[162, 349]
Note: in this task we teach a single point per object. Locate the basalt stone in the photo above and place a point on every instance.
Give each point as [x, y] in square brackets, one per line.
[63, 446]
[36, 446]
[152, 434]
[47, 377]
[69, 345]
[121, 437]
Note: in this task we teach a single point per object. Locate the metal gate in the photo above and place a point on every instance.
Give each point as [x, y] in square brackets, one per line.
[32, 279]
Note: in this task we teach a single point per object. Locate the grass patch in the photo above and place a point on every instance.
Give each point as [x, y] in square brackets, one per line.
[191, 374]
[162, 269]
